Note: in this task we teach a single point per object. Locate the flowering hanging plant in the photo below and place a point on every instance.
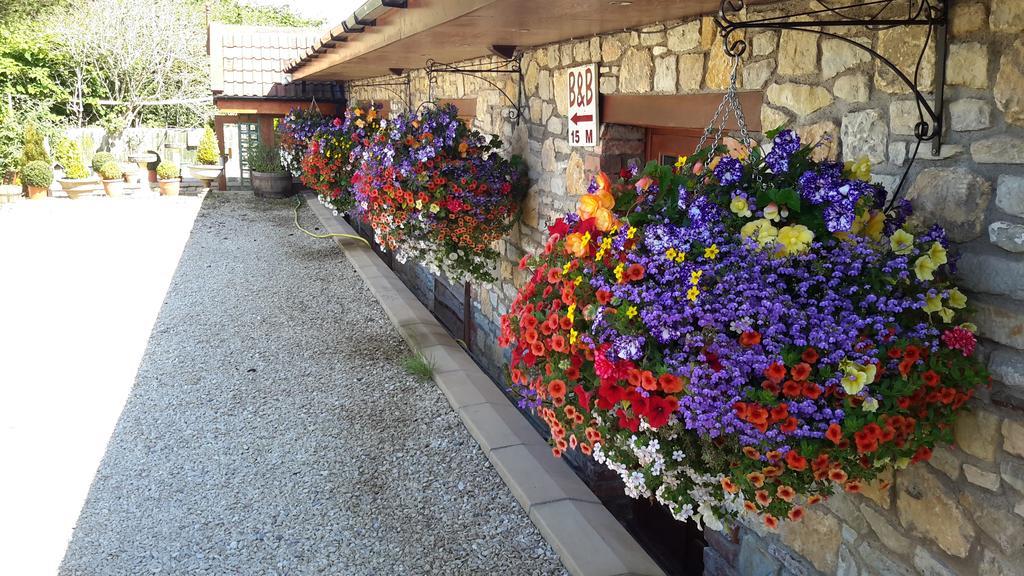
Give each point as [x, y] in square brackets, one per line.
[335, 152]
[295, 131]
[440, 193]
[743, 335]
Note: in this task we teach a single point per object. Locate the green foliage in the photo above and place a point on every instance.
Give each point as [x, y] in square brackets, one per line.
[99, 159]
[110, 170]
[419, 366]
[38, 174]
[263, 158]
[168, 170]
[69, 156]
[32, 145]
[208, 153]
[238, 12]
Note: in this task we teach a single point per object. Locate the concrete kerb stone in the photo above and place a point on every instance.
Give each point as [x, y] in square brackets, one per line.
[588, 539]
[599, 544]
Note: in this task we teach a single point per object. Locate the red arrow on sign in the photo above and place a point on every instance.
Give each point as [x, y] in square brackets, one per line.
[576, 118]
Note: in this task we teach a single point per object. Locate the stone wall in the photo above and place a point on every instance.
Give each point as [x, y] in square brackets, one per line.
[963, 513]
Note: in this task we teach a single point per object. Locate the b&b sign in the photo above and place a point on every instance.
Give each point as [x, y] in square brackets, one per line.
[583, 96]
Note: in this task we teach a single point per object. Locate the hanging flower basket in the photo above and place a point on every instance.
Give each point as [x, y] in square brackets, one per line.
[743, 333]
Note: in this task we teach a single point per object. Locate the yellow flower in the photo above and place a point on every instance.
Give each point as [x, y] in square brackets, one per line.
[360, 123]
[681, 162]
[938, 254]
[711, 252]
[371, 114]
[875, 225]
[566, 268]
[570, 312]
[795, 239]
[435, 208]
[771, 212]
[573, 335]
[957, 299]
[870, 404]
[760, 230]
[578, 280]
[631, 312]
[671, 254]
[857, 376]
[970, 327]
[901, 242]
[739, 207]
[692, 294]
[861, 169]
[681, 257]
[619, 270]
[630, 232]
[695, 276]
[946, 314]
[924, 267]
[932, 304]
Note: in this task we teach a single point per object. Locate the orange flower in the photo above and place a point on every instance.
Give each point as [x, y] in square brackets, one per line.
[756, 478]
[801, 371]
[795, 461]
[751, 452]
[749, 506]
[834, 433]
[785, 492]
[853, 486]
[814, 499]
[796, 513]
[751, 338]
[575, 245]
[762, 498]
[728, 486]
[670, 383]
[557, 388]
[603, 182]
[771, 521]
[837, 476]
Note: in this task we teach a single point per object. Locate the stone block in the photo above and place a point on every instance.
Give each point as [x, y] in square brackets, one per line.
[754, 560]
[816, 537]
[994, 515]
[1012, 472]
[1006, 365]
[665, 74]
[756, 74]
[1006, 16]
[798, 53]
[991, 272]
[920, 499]
[983, 478]
[765, 43]
[824, 136]
[684, 37]
[956, 198]
[976, 432]
[636, 74]
[888, 534]
[719, 69]
[945, 460]
[1002, 149]
[852, 88]
[966, 18]
[1010, 81]
[498, 425]
[772, 118]
[1007, 235]
[902, 46]
[691, 72]
[1010, 194]
[928, 565]
[838, 56]
[864, 133]
[969, 114]
[903, 115]
[1013, 437]
[968, 65]
[804, 99]
[881, 562]
[897, 153]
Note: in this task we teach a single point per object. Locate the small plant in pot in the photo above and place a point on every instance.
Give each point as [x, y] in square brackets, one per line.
[269, 178]
[76, 180]
[37, 177]
[168, 178]
[99, 159]
[113, 178]
[208, 166]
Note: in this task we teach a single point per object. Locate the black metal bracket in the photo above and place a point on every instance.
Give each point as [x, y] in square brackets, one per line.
[873, 15]
[389, 85]
[511, 65]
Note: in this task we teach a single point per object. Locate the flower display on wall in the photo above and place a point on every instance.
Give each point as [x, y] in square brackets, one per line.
[439, 193]
[743, 333]
[334, 153]
[295, 131]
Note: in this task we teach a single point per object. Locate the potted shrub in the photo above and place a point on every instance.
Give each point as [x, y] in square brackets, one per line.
[76, 180]
[208, 166]
[99, 159]
[269, 178]
[33, 148]
[113, 177]
[168, 178]
[37, 176]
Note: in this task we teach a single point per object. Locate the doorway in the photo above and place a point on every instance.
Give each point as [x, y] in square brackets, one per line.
[248, 138]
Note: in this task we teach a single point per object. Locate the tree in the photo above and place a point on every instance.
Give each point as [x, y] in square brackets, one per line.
[235, 12]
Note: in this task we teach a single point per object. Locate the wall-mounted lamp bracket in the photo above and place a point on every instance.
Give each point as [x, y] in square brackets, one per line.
[511, 65]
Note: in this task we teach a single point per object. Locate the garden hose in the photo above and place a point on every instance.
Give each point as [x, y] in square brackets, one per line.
[298, 204]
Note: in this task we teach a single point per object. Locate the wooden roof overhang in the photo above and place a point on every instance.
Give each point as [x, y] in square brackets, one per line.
[384, 36]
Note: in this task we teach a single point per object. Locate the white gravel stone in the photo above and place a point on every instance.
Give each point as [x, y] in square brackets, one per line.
[272, 430]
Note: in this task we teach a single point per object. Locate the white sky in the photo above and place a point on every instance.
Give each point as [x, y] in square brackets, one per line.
[331, 11]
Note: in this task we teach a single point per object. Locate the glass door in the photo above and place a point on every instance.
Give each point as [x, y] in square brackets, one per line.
[248, 137]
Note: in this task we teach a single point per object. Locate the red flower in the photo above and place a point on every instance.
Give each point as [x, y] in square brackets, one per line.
[635, 272]
[670, 383]
[834, 433]
[796, 513]
[960, 339]
[811, 390]
[923, 454]
[582, 397]
[660, 409]
[603, 296]
[905, 366]
[931, 378]
[750, 338]
[810, 355]
[776, 372]
[792, 388]
[771, 521]
[795, 461]
[786, 493]
[789, 425]
[557, 388]
[801, 371]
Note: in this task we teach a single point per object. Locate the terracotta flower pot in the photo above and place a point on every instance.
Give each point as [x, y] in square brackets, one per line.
[74, 188]
[114, 188]
[271, 184]
[37, 192]
[169, 187]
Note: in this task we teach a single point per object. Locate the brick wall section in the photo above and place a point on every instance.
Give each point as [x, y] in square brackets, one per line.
[964, 512]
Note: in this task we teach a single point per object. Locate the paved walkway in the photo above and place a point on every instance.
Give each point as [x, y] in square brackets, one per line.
[271, 429]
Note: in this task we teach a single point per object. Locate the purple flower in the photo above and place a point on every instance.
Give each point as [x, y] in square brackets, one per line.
[784, 145]
[729, 171]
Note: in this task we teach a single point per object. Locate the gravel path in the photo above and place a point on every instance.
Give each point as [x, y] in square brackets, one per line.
[272, 430]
